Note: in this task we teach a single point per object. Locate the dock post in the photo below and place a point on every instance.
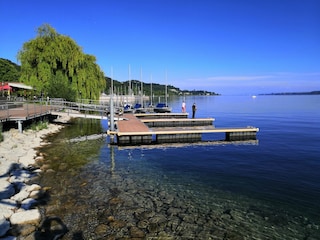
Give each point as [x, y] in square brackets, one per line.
[111, 114]
[20, 126]
[111, 104]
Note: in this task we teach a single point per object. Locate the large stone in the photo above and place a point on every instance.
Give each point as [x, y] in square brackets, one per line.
[33, 187]
[28, 158]
[5, 166]
[7, 207]
[36, 194]
[4, 226]
[28, 203]
[20, 196]
[6, 189]
[26, 217]
[20, 176]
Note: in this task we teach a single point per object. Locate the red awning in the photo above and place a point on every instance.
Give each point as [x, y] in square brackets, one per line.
[5, 87]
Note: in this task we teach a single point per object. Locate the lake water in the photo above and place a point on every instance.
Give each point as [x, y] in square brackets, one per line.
[264, 189]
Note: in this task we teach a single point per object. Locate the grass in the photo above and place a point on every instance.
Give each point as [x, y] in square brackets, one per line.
[37, 126]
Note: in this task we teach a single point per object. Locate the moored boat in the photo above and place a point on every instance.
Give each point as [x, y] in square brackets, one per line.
[162, 108]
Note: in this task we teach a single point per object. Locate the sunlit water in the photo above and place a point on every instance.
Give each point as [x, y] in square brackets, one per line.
[268, 189]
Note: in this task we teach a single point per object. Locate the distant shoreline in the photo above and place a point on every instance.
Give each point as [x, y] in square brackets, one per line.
[294, 93]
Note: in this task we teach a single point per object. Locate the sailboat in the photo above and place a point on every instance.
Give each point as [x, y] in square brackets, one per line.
[163, 107]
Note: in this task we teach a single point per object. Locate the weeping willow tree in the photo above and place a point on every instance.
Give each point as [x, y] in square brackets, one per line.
[54, 65]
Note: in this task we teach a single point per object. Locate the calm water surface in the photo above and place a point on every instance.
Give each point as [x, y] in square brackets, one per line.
[266, 189]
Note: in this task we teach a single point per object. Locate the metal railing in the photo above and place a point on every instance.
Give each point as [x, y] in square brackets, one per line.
[38, 107]
[88, 108]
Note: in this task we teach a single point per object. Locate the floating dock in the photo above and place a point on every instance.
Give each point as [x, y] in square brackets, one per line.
[141, 129]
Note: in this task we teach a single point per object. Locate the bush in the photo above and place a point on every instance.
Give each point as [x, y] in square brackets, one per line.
[37, 126]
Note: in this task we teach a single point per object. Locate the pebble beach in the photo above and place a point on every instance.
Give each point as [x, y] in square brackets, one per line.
[20, 216]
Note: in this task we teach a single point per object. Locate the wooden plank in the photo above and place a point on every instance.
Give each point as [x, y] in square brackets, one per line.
[27, 111]
[177, 120]
[186, 131]
[161, 115]
[132, 124]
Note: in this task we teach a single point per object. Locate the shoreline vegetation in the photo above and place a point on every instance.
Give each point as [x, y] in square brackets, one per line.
[294, 93]
[12, 71]
[20, 198]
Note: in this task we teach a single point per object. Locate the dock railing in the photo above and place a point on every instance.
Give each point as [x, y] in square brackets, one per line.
[87, 107]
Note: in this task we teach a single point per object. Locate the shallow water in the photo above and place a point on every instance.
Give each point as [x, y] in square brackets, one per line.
[267, 189]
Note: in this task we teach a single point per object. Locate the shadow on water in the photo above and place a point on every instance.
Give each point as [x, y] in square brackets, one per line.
[78, 236]
[51, 228]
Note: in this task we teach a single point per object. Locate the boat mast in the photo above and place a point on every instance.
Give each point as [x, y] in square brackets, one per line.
[111, 104]
[166, 90]
[129, 87]
[151, 97]
[141, 93]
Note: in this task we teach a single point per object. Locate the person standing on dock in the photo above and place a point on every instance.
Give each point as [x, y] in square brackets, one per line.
[183, 106]
[194, 109]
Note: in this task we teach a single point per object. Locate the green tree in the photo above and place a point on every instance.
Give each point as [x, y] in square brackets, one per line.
[56, 66]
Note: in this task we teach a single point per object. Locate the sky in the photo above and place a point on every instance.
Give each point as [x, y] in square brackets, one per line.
[225, 46]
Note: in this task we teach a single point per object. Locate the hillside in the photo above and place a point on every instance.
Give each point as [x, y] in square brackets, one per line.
[10, 72]
[157, 89]
[294, 93]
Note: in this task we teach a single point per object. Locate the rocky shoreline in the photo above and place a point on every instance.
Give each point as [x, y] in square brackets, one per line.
[19, 198]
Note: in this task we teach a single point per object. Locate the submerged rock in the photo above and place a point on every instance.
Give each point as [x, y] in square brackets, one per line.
[136, 232]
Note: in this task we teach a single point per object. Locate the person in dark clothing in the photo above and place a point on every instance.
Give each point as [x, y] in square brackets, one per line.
[194, 108]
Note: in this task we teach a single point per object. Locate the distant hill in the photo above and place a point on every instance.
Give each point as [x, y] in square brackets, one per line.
[294, 93]
[9, 71]
[157, 89]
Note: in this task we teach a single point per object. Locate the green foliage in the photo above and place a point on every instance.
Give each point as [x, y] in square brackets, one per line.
[9, 71]
[56, 66]
[59, 86]
[37, 126]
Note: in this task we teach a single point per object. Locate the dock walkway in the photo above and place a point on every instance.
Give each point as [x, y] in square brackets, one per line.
[131, 124]
[135, 131]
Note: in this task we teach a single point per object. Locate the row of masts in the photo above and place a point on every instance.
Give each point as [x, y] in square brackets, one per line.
[138, 92]
[130, 93]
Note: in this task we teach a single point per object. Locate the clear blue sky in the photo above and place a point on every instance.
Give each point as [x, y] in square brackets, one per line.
[226, 46]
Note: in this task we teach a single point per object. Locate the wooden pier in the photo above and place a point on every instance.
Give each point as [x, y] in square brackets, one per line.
[21, 112]
[138, 129]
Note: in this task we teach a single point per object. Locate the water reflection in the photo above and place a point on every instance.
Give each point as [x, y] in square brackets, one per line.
[113, 163]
